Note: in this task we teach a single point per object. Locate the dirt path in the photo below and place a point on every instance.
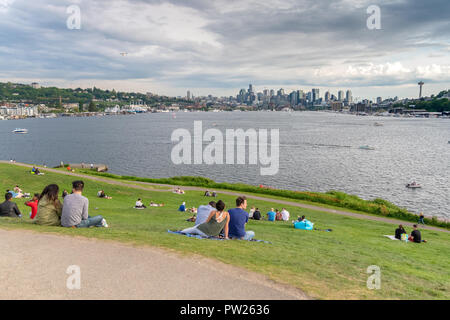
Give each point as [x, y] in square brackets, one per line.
[34, 267]
[145, 185]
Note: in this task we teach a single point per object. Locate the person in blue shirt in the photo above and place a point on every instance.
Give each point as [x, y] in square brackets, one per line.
[182, 208]
[238, 220]
[271, 215]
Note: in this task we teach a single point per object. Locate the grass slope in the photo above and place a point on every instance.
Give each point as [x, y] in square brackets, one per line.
[325, 265]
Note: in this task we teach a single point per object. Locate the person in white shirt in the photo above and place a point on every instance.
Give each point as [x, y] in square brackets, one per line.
[139, 204]
[203, 212]
[285, 214]
[250, 214]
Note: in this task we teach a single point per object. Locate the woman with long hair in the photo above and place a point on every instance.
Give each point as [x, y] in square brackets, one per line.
[49, 207]
[217, 221]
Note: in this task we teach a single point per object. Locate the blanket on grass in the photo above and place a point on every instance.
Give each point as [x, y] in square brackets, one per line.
[210, 238]
[391, 237]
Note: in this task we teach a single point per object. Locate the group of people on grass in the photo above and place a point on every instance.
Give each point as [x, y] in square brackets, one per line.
[140, 205]
[415, 236]
[213, 221]
[210, 194]
[272, 215]
[47, 209]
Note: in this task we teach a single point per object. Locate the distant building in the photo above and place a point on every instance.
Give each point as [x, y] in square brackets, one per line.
[337, 105]
[341, 95]
[349, 97]
[35, 85]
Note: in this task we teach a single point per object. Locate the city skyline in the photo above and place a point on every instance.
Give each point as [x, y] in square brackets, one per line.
[207, 47]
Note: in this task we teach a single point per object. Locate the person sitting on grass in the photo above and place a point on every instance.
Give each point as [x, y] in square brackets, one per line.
[75, 212]
[285, 214]
[238, 220]
[416, 236]
[182, 208]
[207, 194]
[9, 208]
[139, 204]
[49, 207]
[214, 194]
[33, 204]
[257, 214]
[217, 221]
[399, 231]
[193, 210]
[251, 212]
[203, 212]
[278, 215]
[152, 204]
[178, 191]
[300, 219]
[271, 215]
[101, 194]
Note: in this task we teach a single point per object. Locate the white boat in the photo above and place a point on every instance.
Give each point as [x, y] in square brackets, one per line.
[20, 131]
[367, 148]
[377, 124]
[413, 185]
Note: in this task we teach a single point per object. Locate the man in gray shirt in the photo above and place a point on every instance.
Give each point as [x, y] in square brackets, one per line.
[75, 210]
[203, 213]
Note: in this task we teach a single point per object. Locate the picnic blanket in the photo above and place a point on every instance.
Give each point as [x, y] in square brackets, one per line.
[210, 238]
[391, 237]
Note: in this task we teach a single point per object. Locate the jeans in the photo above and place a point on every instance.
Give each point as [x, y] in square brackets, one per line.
[89, 222]
[194, 230]
[248, 236]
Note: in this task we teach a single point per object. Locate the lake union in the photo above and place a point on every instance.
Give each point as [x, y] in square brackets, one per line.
[317, 151]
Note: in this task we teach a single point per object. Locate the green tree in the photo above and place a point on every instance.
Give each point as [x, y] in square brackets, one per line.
[92, 107]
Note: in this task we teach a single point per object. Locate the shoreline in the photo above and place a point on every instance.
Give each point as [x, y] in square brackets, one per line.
[141, 184]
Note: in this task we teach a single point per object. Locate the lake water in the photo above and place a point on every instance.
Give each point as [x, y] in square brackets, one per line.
[318, 151]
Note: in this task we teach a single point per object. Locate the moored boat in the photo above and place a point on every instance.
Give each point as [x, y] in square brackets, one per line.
[20, 131]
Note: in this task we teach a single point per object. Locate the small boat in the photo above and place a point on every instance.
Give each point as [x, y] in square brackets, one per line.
[366, 148]
[377, 124]
[20, 131]
[413, 185]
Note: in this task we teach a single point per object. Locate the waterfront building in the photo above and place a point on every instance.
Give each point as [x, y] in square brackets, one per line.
[315, 95]
[349, 96]
[341, 95]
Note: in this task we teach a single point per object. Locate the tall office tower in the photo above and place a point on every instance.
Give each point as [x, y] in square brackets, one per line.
[349, 96]
[293, 98]
[272, 93]
[280, 92]
[309, 96]
[301, 94]
[266, 92]
[315, 95]
[327, 96]
[341, 95]
[379, 100]
[188, 95]
[250, 88]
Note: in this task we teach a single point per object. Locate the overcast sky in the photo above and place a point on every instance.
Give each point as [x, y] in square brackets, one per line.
[219, 46]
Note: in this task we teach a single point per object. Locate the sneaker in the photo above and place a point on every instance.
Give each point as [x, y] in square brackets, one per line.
[104, 224]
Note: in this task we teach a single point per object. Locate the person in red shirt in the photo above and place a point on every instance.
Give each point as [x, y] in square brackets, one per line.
[33, 204]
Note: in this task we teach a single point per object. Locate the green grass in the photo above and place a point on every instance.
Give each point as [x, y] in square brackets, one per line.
[326, 265]
[332, 198]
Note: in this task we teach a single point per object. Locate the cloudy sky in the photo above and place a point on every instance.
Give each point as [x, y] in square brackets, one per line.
[219, 46]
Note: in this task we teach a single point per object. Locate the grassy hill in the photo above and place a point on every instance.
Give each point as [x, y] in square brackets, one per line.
[326, 265]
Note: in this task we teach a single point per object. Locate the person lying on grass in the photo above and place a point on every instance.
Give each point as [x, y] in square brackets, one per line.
[152, 204]
[9, 208]
[217, 221]
[182, 208]
[49, 207]
[75, 210]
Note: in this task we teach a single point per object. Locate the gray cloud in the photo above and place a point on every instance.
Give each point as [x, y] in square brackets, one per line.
[223, 45]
